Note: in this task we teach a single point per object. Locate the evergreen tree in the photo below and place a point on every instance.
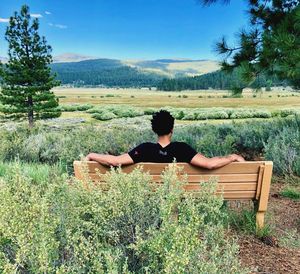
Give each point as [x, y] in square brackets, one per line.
[271, 45]
[26, 78]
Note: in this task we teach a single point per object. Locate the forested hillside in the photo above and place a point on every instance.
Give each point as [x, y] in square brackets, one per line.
[104, 72]
[116, 73]
[217, 80]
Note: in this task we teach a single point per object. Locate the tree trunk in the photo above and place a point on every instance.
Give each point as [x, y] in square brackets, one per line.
[30, 112]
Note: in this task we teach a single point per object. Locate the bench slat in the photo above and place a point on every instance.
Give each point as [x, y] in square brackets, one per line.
[157, 168]
[229, 191]
[200, 178]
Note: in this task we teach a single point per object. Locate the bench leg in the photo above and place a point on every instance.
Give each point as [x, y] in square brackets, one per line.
[260, 217]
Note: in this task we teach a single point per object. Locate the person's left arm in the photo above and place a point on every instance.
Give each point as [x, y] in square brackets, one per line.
[110, 160]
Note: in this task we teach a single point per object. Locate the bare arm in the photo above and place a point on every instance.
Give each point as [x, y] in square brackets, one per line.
[110, 160]
[215, 162]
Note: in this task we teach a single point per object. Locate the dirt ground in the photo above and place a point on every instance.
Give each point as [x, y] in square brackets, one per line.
[283, 215]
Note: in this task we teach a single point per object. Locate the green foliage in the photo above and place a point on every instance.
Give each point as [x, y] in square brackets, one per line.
[120, 111]
[216, 80]
[115, 111]
[291, 193]
[276, 139]
[49, 226]
[269, 45]
[75, 107]
[236, 92]
[26, 78]
[104, 115]
[245, 222]
[286, 146]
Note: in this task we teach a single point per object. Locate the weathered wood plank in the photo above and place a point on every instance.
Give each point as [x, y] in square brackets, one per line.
[157, 168]
[199, 178]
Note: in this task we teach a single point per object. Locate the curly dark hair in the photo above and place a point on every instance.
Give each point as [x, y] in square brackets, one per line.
[162, 122]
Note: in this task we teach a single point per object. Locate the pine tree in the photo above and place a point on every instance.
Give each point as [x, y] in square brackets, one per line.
[271, 43]
[26, 78]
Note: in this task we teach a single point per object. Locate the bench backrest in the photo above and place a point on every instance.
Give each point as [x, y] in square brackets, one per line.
[237, 181]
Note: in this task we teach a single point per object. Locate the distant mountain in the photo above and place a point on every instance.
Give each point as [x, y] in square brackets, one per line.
[175, 67]
[104, 72]
[72, 68]
[71, 57]
[3, 59]
[129, 73]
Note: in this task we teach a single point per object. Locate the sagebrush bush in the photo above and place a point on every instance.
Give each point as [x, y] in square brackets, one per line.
[63, 145]
[104, 115]
[284, 150]
[51, 226]
[75, 107]
[115, 111]
[190, 113]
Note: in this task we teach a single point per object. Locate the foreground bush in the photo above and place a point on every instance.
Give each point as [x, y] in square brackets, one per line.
[50, 226]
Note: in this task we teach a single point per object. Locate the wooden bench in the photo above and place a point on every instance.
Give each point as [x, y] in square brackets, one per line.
[237, 181]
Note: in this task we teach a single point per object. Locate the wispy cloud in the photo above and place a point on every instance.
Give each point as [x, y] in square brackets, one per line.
[4, 20]
[48, 12]
[58, 26]
[36, 15]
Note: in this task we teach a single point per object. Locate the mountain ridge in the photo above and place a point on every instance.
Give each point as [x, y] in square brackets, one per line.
[166, 67]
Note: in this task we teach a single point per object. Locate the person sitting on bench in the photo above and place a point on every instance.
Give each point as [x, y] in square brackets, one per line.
[164, 151]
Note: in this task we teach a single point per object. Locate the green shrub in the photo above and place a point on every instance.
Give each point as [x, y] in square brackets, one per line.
[284, 150]
[118, 111]
[64, 144]
[150, 111]
[104, 116]
[245, 222]
[50, 226]
[189, 116]
[224, 147]
[75, 107]
[287, 112]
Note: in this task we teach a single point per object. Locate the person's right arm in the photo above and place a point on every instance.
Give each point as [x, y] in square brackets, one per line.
[215, 162]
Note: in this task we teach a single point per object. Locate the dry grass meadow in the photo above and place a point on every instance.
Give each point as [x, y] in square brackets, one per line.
[276, 99]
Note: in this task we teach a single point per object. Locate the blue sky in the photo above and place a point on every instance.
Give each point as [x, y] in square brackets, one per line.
[131, 29]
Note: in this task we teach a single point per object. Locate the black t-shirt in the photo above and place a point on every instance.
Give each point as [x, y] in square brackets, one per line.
[154, 152]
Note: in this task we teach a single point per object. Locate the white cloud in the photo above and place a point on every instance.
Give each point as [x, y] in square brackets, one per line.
[4, 20]
[48, 12]
[36, 15]
[58, 26]
[61, 26]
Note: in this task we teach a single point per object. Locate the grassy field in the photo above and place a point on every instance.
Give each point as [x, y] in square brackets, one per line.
[277, 99]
